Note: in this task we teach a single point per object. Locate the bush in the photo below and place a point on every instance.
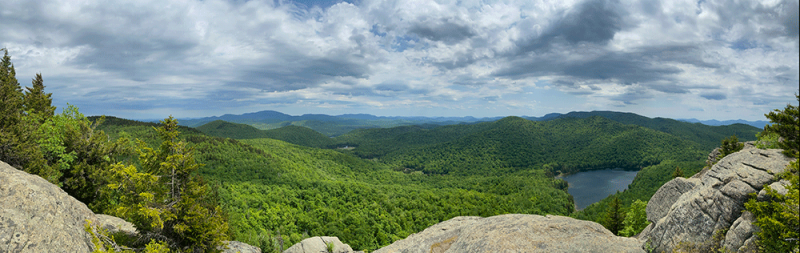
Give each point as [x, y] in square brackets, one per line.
[636, 219]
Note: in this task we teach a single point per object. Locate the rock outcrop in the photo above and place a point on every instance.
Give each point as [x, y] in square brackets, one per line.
[740, 236]
[240, 247]
[37, 216]
[515, 233]
[662, 200]
[115, 225]
[714, 202]
[318, 244]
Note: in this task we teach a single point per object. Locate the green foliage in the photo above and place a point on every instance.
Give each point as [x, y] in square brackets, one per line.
[786, 123]
[778, 218]
[729, 146]
[277, 193]
[614, 217]
[78, 152]
[330, 247]
[677, 173]
[635, 219]
[165, 200]
[292, 134]
[36, 101]
[706, 136]
[364, 203]
[17, 141]
[767, 140]
[565, 145]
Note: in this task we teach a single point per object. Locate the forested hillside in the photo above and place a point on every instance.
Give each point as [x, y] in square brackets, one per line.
[564, 145]
[707, 136]
[488, 153]
[302, 136]
[273, 188]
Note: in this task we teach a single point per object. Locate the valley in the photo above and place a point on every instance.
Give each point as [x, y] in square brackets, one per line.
[293, 182]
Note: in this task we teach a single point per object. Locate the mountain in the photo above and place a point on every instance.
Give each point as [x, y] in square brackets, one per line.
[397, 181]
[708, 136]
[341, 124]
[564, 145]
[757, 124]
[270, 187]
[297, 135]
[327, 124]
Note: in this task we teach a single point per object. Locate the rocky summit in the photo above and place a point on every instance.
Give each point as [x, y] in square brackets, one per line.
[515, 233]
[691, 211]
[37, 216]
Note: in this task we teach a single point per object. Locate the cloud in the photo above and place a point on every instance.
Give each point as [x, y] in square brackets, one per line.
[714, 96]
[215, 56]
[446, 30]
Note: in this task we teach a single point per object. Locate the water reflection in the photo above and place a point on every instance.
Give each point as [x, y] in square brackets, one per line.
[592, 186]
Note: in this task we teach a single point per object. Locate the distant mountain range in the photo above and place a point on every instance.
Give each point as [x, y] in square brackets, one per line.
[713, 122]
[340, 124]
[330, 125]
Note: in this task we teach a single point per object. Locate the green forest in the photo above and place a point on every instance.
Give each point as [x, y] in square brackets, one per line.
[369, 187]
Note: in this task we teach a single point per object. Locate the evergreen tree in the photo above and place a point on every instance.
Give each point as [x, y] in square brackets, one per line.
[730, 145]
[778, 218]
[37, 101]
[10, 112]
[677, 173]
[17, 147]
[79, 154]
[787, 125]
[614, 217]
[10, 94]
[165, 200]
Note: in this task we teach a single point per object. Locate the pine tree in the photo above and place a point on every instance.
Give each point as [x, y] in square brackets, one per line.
[677, 173]
[37, 101]
[778, 219]
[165, 200]
[10, 94]
[730, 145]
[614, 217]
[787, 125]
[17, 147]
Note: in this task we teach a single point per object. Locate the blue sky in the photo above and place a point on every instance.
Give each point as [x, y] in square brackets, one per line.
[150, 59]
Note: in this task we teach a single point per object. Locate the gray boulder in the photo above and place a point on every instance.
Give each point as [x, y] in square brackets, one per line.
[716, 202]
[662, 200]
[37, 216]
[239, 247]
[779, 187]
[115, 225]
[318, 244]
[740, 232]
[713, 156]
[515, 233]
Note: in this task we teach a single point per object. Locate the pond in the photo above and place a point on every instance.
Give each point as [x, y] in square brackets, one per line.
[592, 186]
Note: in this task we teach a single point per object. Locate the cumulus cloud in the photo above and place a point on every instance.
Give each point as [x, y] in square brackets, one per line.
[199, 58]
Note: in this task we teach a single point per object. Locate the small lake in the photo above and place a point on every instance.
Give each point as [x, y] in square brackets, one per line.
[592, 186]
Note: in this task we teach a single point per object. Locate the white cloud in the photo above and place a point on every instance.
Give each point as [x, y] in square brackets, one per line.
[130, 58]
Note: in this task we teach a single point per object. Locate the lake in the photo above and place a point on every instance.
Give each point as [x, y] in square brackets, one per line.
[592, 186]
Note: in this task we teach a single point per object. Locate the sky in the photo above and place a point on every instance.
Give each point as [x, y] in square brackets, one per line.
[148, 59]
